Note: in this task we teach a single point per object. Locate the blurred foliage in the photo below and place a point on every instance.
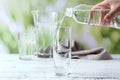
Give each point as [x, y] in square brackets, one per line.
[19, 11]
[107, 37]
[8, 39]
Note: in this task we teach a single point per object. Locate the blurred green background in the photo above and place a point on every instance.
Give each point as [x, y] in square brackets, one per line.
[15, 17]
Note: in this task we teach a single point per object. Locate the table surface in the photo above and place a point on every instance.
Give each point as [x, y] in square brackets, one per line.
[12, 68]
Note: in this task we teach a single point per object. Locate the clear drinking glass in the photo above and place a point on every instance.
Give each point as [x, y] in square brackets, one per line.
[45, 32]
[62, 51]
[45, 23]
[27, 45]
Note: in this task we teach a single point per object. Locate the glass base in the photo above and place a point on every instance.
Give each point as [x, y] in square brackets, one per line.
[61, 71]
[25, 57]
[61, 74]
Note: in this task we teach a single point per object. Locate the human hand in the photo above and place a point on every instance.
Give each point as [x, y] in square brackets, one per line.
[108, 9]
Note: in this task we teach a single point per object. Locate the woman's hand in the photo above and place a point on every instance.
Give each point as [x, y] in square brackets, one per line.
[106, 17]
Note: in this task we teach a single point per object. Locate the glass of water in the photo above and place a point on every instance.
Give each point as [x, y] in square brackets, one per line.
[62, 51]
[27, 45]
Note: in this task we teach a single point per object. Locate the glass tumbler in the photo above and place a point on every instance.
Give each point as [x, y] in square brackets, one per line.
[62, 51]
[45, 23]
[45, 34]
[27, 45]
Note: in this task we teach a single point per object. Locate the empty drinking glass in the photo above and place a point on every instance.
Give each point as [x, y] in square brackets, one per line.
[45, 23]
[27, 45]
[62, 51]
[45, 34]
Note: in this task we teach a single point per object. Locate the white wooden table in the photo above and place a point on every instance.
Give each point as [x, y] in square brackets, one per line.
[12, 68]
